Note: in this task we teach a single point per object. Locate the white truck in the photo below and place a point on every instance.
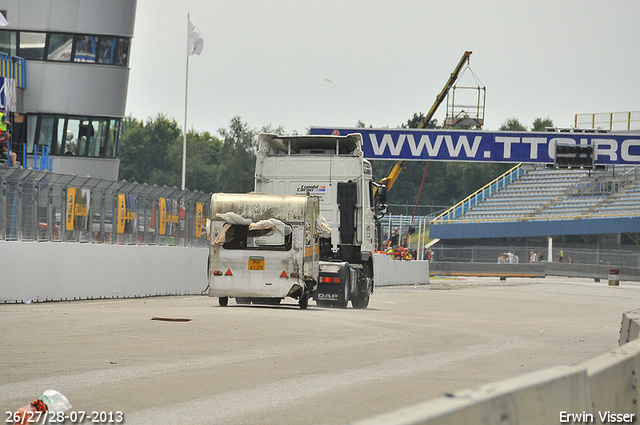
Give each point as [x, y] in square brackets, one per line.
[332, 168]
[263, 248]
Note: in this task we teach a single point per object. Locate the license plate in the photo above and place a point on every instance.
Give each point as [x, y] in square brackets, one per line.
[256, 263]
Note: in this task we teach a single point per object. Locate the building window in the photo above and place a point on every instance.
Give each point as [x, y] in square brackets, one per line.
[8, 42]
[60, 46]
[107, 47]
[86, 48]
[51, 133]
[78, 136]
[112, 139]
[83, 48]
[32, 45]
[122, 52]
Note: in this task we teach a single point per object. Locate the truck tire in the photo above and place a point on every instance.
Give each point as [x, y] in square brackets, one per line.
[361, 300]
[345, 290]
[223, 301]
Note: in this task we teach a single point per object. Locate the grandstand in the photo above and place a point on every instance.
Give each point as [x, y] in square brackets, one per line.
[542, 201]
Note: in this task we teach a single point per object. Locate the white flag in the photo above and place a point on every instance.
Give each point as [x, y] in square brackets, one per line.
[3, 21]
[195, 40]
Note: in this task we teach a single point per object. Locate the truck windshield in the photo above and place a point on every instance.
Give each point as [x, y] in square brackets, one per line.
[240, 237]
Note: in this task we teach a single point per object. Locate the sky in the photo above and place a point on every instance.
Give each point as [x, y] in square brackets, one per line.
[299, 64]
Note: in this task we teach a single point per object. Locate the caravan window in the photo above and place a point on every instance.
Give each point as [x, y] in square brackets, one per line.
[240, 237]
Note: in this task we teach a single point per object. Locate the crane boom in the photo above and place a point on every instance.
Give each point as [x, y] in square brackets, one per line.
[445, 90]
[398, 166]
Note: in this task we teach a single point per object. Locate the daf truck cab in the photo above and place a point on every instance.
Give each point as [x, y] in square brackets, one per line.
[333, 169]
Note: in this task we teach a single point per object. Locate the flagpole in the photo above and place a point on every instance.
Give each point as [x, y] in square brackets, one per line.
[186, 92]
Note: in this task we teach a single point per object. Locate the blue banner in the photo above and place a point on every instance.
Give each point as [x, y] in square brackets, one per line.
[488, 146]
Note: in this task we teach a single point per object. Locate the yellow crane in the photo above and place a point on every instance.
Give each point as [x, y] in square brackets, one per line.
[397, 167]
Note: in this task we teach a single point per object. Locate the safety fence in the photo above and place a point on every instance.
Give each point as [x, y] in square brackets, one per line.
[608, 120]
[491, 254]
[48, 207]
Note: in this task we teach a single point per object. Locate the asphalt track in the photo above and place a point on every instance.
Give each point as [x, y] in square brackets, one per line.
[283, 365]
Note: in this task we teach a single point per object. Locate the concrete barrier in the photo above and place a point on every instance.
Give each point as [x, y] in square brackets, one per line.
[388, 272]
[534, 399]
[613, 383]
[600, 391]
[45, 271]
[55, 271]
[487, 269]
[630, 327]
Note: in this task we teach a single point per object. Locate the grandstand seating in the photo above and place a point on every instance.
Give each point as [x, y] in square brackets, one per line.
[551, 194]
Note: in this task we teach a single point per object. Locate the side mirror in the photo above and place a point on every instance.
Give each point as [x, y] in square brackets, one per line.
[381, 194]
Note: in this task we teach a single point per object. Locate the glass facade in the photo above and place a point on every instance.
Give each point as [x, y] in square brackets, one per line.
[31, 45]
[66, 47]
[72, 135]
[86, 48]
[60, 46]
[8, 42]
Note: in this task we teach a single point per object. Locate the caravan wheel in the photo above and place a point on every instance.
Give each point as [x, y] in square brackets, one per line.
[304, 300]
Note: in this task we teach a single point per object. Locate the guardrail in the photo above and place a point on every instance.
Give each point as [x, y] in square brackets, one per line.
[48, 207]
[532, 218]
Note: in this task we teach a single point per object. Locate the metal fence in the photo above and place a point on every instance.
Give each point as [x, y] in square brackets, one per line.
[490, 254]
[43, 206]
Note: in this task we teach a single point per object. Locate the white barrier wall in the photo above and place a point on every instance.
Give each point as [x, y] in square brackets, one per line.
[387, 271]
[45, 271]
[41, 271]
[600, 391]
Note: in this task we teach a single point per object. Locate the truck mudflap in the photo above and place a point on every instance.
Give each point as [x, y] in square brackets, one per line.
[334, 284]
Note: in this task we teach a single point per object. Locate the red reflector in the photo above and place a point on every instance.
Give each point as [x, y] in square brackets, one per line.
[295, 275]
[228, 273]
[330, 279]
[283, 274]
[217, 273]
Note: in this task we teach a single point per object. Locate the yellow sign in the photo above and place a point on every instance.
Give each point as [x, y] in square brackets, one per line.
[126, 213]
[200, 220]
[122, 212]
[162, 210]
[256, 263]
[71, 205]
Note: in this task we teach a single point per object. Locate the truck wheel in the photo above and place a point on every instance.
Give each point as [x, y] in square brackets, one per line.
[223, 301]
[361, 300]
[345, 291]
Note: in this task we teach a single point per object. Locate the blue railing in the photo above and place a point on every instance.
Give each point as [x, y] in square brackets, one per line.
[14, 67]
[474, 199]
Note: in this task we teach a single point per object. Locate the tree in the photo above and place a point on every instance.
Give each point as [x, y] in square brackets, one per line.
[540, 124]
[144, 149]
[203, 161]
[512, 124]
[237, 157]
[417, 119]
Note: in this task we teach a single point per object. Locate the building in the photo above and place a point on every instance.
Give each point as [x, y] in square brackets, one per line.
[77, 71]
